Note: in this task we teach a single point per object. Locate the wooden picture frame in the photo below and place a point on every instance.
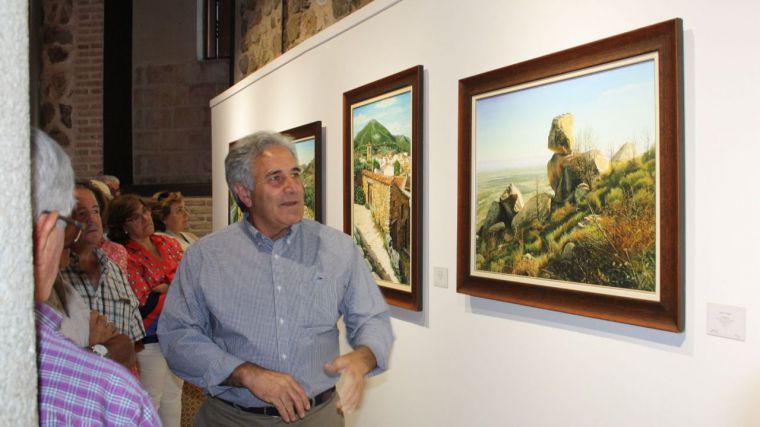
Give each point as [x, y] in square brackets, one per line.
[307, 140]
[382, 160]
[596, 239]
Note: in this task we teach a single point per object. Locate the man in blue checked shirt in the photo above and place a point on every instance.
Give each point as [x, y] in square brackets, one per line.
[251, 315]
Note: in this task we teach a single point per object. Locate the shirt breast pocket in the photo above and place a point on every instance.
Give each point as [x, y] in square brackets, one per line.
[318, 306]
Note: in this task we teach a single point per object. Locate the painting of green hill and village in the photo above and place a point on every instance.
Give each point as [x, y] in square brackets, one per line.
[566, 182]
[381, 186]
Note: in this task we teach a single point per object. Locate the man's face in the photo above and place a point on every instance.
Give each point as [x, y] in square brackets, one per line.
[87, 211]
[277, 196]
[114, 187]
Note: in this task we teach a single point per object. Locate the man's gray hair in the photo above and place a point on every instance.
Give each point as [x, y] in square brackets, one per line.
[239, 161]
[110, 178]
[52, 176]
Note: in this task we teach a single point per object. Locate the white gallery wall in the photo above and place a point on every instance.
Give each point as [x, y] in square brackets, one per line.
[476, 362]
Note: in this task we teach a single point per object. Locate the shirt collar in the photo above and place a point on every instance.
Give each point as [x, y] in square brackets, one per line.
[265, 242]
[74, 260]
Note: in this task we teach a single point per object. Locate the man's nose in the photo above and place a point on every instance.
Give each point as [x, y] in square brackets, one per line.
[91, 215]
[291, 184]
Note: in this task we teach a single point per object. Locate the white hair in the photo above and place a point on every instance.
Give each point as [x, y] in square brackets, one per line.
[52, 176]
[238, 167]
[110, 178]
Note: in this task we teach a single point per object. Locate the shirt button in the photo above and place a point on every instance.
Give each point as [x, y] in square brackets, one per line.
[276, 256]
[279, 288]
[282, 320]
[284, 356]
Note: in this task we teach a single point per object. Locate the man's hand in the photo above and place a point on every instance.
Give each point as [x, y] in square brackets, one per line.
[121, 349]
[161, 289]
[278, 389]
[100, 329]
[352, 367]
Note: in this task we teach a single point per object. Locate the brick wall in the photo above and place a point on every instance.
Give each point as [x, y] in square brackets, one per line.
[200, 215]
[71, 94]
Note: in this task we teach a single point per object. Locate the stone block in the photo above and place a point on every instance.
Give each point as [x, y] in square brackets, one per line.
[188, 117]
[201, 93]
[59, 136]
[158, 119]
[65, 113]
[47, 114]
[155, 74]
[192, 71]
[146, 141]
[138, 76]
[55, 34]
[216, 71]
[57, 54]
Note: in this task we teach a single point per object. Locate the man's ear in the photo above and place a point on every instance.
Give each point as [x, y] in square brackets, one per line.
[243, 194]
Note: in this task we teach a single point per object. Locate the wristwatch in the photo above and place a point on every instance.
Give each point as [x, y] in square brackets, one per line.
[100, 350]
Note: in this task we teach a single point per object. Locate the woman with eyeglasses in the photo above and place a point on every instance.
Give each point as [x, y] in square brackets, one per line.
[98, 280]
[152, 260]
[171, 217]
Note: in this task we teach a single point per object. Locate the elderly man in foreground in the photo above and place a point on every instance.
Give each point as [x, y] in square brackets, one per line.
[76, 387]
[252, 313]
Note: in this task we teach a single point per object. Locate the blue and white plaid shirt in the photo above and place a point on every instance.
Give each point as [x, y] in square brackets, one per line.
[239, 296]
[112, 297]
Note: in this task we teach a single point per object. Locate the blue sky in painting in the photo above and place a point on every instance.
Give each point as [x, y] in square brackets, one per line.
[395, 113]
[305, 151]
[615, 106]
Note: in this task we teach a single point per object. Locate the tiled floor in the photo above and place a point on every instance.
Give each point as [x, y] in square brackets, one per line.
[192, 398]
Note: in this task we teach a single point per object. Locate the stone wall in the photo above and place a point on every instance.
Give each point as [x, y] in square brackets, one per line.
[258, 34]
[265, 30]
[71, 89]
[171, 120]
[378, 199]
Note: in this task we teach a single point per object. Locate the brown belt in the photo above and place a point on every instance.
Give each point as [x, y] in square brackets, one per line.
[273, 412]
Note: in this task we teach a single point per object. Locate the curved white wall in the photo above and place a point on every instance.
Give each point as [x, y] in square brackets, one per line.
[470, 361]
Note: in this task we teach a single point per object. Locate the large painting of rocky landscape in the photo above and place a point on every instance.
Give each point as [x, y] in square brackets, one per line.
[565, 181]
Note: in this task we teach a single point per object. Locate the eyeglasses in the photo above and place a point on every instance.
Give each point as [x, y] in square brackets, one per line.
[140, 216]
[67, 221]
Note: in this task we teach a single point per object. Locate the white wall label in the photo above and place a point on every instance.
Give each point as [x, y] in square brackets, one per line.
[726, 321]
[441, 277]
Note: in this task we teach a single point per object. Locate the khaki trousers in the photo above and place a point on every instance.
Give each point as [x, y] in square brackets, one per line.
[214, 412]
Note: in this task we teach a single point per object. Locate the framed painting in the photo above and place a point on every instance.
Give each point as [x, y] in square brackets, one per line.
[307, 141]
[382, 160]
[570, 180]
[308, 144]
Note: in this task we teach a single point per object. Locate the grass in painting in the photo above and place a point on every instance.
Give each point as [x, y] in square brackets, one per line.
[602, 233]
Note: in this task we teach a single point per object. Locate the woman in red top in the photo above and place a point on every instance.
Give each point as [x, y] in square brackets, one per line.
[152, 261]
